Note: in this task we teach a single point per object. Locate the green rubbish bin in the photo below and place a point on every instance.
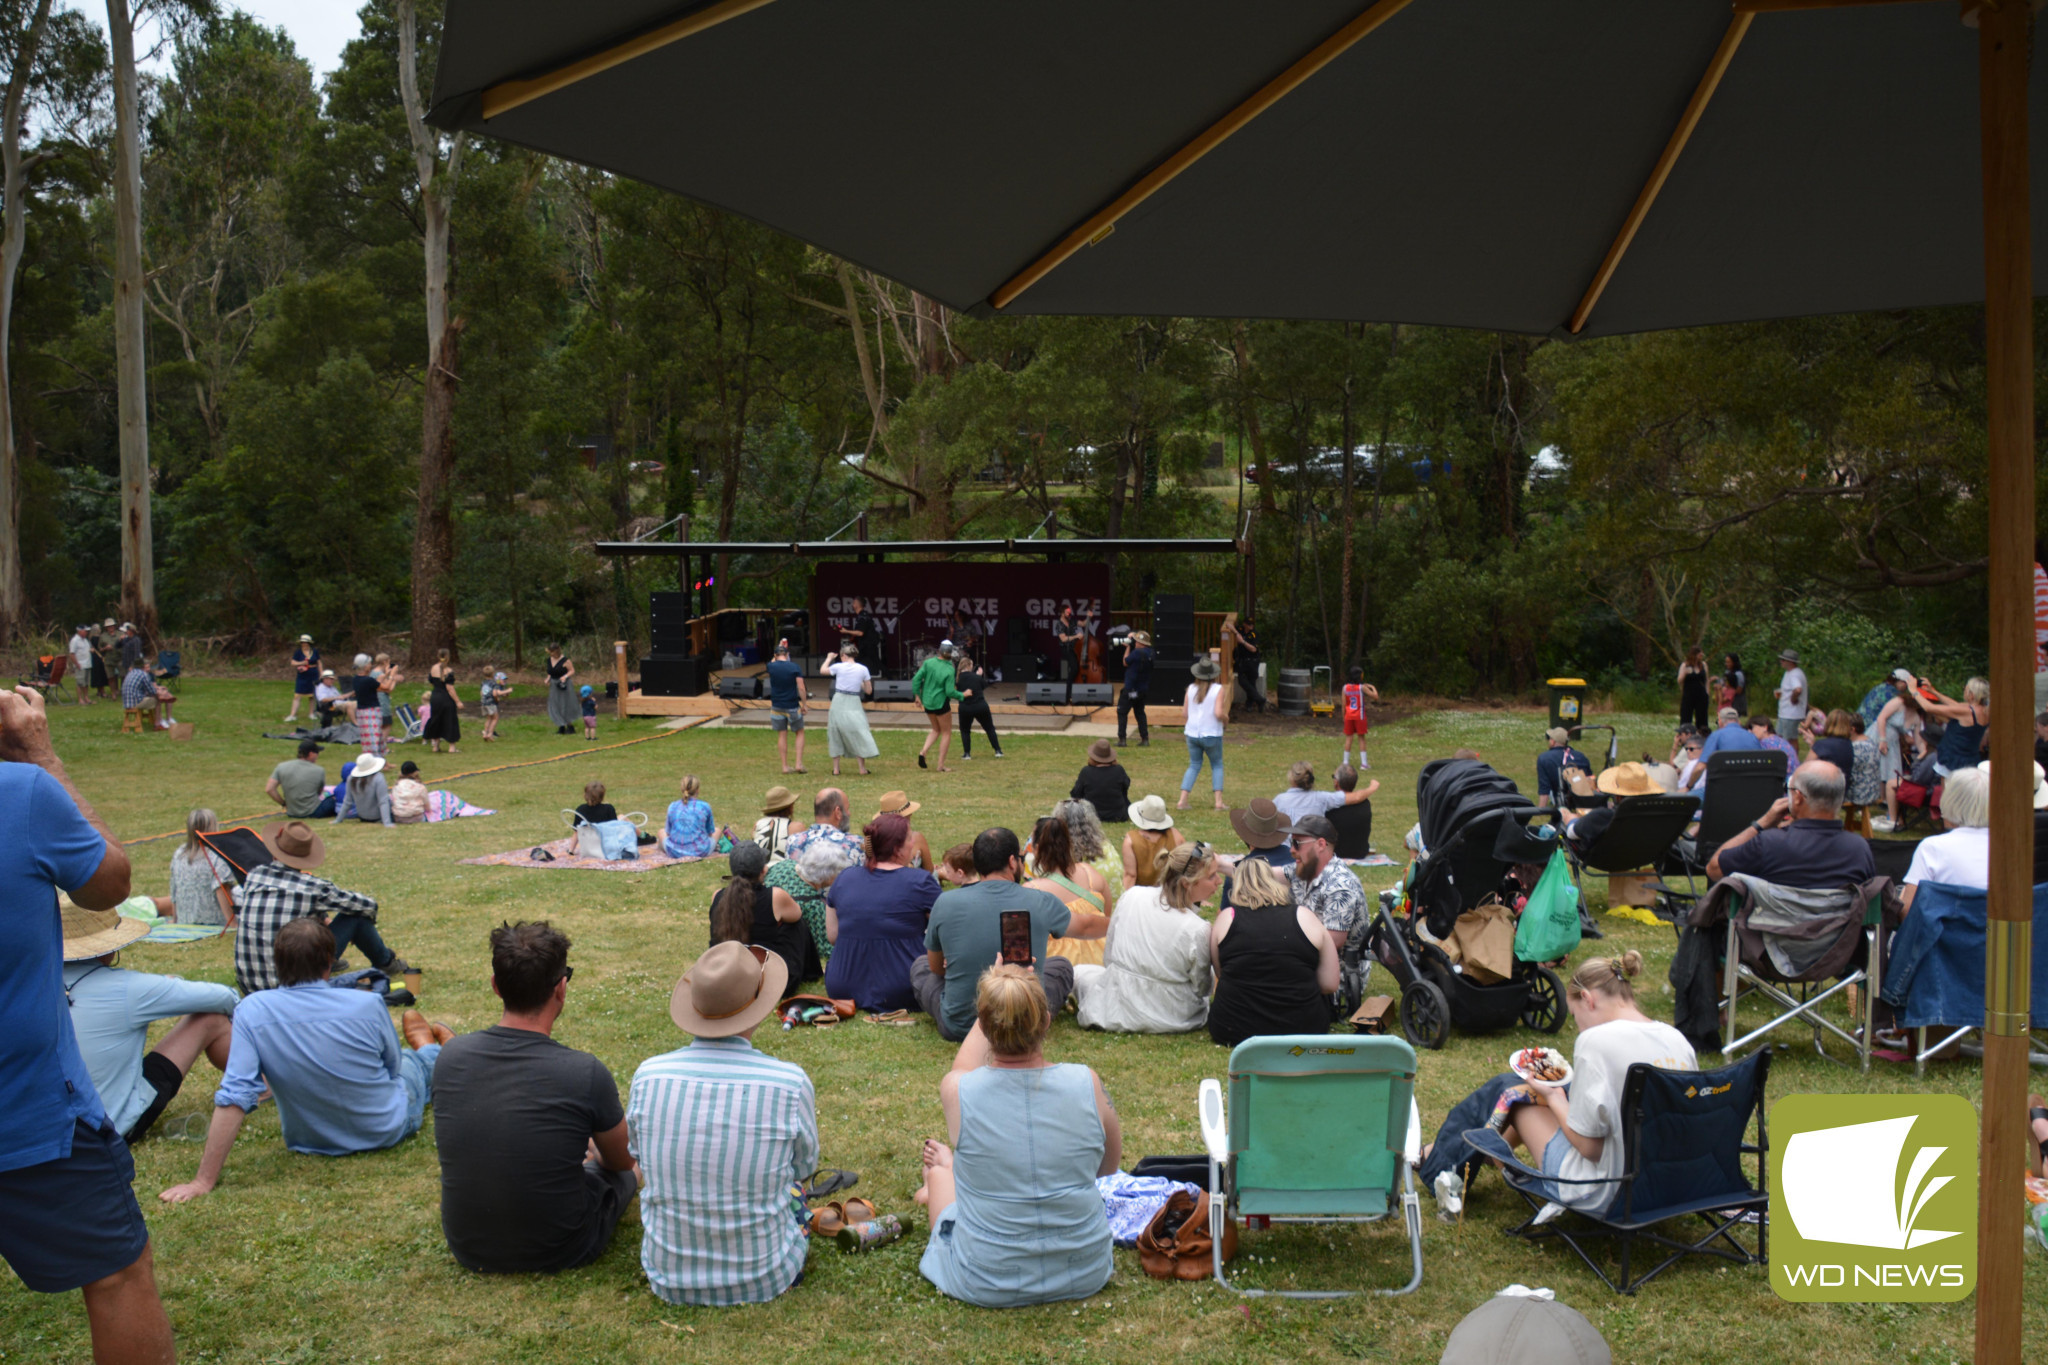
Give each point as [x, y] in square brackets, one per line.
[1567, 703]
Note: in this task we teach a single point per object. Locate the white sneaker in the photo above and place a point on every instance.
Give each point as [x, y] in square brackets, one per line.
[1882, 824]
[1450, 1193]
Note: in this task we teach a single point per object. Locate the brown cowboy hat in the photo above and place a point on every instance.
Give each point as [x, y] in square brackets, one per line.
[778, 798]
[1100, 755]
[733, 987]
[1262, 824]
[898, 803]
[1628, 779]
[95, 933]
[294, 844]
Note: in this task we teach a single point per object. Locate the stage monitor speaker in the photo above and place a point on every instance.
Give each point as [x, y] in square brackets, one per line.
[894, 689]
[1020, 666]
[1019, 631]
[1169, 683]
[738, 688]
[1045, 694]
[673, 677]
[1093, 694]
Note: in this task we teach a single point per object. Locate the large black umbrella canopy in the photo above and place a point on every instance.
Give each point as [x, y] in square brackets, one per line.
[1571, 166]
[1459, 162]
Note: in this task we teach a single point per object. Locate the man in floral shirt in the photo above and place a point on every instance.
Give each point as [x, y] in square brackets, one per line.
[1329, 890]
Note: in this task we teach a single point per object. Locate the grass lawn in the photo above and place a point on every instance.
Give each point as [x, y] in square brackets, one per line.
[298, 1258]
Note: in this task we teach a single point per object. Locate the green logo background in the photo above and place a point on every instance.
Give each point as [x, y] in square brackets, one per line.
[1863, 1181]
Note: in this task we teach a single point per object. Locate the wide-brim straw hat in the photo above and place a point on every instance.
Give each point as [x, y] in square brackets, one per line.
[295, 844]
[368, 765]
[95, 933]
[779, 798]
[733, 987]
[1206, 670]
[1151, 813]
[1100, 755]
[1261, 824]
[898, 803]
[1628, 779]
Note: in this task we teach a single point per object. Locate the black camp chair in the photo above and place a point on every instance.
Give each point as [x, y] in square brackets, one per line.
[1353, 824]
[1740, 786]
[243, 849]
[1683, 1137]
[1643, 833]
[170, 667]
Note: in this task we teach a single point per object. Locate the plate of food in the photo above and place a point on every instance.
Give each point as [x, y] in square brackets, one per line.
[1544, 1066]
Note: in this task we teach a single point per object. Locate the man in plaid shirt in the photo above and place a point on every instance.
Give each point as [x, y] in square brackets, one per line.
[276, 893]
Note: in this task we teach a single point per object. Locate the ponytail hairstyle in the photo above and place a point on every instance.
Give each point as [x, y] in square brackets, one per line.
[732, 911]
[1185, 866]
[885, 836]
[1609, 976]
[1010, 1003]
[690, 786]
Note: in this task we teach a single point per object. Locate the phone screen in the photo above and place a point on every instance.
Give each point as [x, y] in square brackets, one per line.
[1017, 937]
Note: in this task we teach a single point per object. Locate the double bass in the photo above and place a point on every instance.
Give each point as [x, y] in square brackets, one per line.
[1091, 652]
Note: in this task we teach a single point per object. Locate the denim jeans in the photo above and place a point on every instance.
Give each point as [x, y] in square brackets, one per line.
[361, 931]
[1451, 1149]
[1212, 747]
[416, 1069]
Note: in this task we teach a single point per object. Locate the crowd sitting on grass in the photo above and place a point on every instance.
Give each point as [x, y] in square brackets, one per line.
[538, 1155]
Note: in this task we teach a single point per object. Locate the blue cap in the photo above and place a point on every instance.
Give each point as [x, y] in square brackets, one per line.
[586, 689]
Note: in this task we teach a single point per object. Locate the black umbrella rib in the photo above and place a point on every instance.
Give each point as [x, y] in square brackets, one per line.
[1103, 221]
[509, 95]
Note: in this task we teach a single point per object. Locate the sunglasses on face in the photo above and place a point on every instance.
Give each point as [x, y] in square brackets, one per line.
[567, 972]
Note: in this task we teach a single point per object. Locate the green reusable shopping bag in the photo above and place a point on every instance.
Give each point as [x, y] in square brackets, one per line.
[1550, 921]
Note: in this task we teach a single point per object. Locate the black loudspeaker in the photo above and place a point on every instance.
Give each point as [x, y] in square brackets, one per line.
[745, 689]
[1045, 694]
[1018, 629]
[1093, 694]
[1170, 681]
[894, 690]
[674, 677]
[735, 628]
[675, 604]
[1173, 625]
[1020, 666]
[1174, 642]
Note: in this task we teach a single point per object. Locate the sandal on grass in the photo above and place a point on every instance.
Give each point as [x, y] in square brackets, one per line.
[858, 1210]
[828, 1180]
[828, 1220]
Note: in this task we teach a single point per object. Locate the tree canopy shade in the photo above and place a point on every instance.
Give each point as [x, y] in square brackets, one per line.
[1834, 168]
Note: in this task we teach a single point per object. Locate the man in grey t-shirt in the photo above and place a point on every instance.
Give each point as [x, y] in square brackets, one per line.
[297, 784]
[965, 936]
[535, 1167]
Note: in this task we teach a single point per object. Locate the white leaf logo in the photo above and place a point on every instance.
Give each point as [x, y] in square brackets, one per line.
[1842, 1185]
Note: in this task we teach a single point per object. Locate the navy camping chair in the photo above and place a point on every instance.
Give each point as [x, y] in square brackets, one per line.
[1935, 972]
[1684, 1137]
[170, 668]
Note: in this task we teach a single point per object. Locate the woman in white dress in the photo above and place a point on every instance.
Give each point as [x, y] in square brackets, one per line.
[846, 732]
[1155, 973]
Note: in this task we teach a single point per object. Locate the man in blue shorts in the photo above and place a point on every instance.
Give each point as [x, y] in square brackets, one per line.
[786, 697]
[68, 1217]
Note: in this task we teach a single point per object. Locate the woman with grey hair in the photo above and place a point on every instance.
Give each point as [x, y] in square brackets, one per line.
[1091, 844]
[201, 878]
[806, 877]
[367, 690]
[1962, 856]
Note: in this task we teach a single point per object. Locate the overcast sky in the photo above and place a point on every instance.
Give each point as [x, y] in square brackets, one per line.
[318, 28]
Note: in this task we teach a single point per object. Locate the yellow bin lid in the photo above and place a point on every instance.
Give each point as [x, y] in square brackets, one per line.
[1567, 682]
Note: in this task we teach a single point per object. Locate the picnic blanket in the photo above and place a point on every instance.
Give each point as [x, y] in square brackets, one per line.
[1370, 860]
[343, 734]
[446, 805]
[562, 856]
[170, 931]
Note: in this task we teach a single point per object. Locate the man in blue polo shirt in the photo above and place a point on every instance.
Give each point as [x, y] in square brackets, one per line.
[1732, 737]
[68, 1217]
[1551, 763]
[1800, 841]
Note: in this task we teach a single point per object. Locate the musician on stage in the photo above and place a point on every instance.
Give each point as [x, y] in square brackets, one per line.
[866, 632]
[1072, 634]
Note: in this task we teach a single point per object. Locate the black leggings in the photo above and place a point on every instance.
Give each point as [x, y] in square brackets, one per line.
[969, 715]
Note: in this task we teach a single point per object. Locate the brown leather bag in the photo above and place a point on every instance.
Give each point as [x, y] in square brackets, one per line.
[1176, 1245]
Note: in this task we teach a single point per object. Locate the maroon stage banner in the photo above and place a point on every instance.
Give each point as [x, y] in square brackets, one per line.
[915, 604]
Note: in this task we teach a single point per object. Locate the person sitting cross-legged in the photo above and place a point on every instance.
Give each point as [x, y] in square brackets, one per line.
[723, 1134]
[1155, 970]
[1800, 841]
[1016, 1217]
[342, 1082]
[965, 936]
[112, 1009]
[535, 1169]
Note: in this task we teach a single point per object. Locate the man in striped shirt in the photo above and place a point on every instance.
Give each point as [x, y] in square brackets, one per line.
[724, 1136]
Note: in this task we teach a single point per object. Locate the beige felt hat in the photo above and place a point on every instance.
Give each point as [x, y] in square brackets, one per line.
[733, 987]
[294, 844]
[95, 933]
[1150, 813]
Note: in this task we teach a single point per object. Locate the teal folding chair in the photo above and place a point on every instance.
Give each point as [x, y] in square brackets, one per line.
[1318, 1129]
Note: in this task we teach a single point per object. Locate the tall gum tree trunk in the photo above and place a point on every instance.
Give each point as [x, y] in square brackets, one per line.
[138, 559]
[13, 238]
[433, 543]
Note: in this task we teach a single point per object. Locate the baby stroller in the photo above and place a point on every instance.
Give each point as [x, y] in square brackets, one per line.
[1474, 827]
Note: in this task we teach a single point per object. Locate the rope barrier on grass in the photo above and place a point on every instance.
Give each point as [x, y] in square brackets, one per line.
[439, 781]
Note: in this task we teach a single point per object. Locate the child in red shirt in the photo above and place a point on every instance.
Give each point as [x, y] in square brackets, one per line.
[1357, 693]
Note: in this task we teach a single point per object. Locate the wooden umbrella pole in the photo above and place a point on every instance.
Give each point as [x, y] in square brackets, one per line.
[2004, 40]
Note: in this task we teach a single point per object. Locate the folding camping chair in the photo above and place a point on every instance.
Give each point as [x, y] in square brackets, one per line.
[1934, 975]
[1740, 785]
[405, 724]
[49, 675]
[170, 667]
[1683, 1140]
[1353, 824]
[1789, 961]
[1642, 834]
[1317, 1128]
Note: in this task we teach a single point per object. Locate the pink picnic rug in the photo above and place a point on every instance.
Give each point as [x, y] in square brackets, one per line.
[646, 859]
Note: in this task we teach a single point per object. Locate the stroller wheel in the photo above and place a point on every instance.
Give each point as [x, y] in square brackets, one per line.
[1425, 1014]
[1545, 1010]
